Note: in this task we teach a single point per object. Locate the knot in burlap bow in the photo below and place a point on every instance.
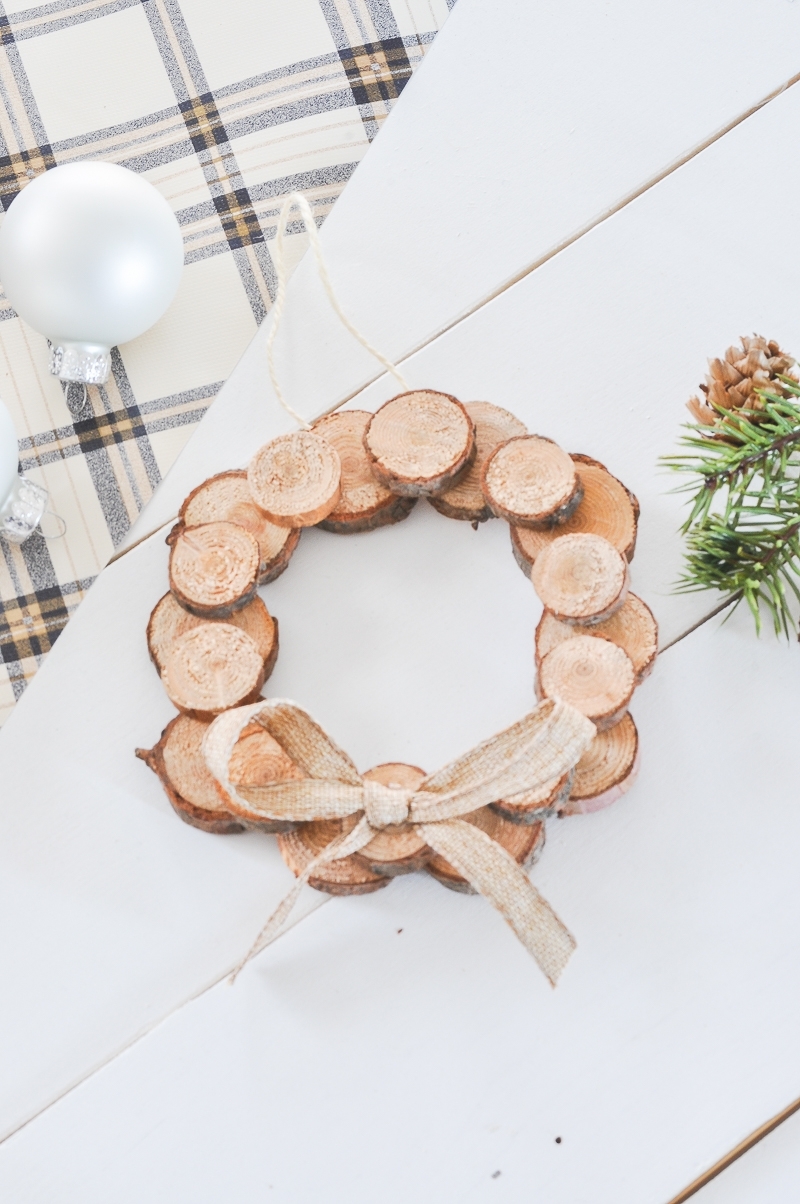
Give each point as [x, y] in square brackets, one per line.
[542, 746]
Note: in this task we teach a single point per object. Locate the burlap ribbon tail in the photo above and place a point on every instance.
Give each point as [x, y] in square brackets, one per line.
[542, 746]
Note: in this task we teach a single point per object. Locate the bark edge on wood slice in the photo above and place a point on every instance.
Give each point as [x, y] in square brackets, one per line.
[211, 669]
[397, 849]
[205, 807]
[295, 479]
[493, 426]
[608, 508]
[365, 504]
[169, 620]
[420, 443]
[529, 806]
[532, 482]
[523, 841]
[591, 674]
[606, 770]
[213, 569]
[347, 876]
[581, 579]
[633, 627]
[226, 497]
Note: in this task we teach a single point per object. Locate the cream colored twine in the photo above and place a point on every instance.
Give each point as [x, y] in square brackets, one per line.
[297, 199]
[545, 744]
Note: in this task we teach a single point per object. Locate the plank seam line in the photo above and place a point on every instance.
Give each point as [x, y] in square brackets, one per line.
[571, 239]
[737, 1152]
[151, 1028]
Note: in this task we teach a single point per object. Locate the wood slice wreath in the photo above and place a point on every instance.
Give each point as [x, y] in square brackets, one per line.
[232, 760]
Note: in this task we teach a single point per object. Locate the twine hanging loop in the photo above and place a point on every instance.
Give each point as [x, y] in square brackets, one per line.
[296, 199]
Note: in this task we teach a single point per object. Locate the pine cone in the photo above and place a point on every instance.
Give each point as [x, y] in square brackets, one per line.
[732, 381]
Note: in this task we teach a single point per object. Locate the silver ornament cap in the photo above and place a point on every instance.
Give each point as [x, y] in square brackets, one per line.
[87, 363]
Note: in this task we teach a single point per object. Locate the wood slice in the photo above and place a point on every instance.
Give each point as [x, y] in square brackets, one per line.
[211, 669]
[420, 443]
[606, 770]
[364, 504]
[213, 569]
[295, 479]
[258, 760]
[581, 579]
[591, 674]
[398, 849]
[196, 795]
[532, 482]
[607, 508]
[169, 620]
[493, 426]
[530, 806]
[633, 627]
[347, 876]
[177, 759]
[227, 498]
[523, 842]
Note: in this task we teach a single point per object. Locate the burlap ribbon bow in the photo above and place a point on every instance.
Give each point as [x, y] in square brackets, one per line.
[542, 746]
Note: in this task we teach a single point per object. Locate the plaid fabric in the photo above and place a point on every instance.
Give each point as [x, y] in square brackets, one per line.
[224, 107]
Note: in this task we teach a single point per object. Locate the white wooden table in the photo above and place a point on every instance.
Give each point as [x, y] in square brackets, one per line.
[355, 1059]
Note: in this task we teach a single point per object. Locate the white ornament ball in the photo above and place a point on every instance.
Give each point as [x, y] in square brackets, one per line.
[91, 256]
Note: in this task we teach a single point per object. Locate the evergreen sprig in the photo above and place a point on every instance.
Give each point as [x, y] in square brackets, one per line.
[743, 529]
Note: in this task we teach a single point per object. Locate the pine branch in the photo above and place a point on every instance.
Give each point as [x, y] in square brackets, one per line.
[743, 529]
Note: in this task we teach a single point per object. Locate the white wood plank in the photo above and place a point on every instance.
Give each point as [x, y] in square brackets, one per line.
[526, 123]
[120, 912]
[353, 1058]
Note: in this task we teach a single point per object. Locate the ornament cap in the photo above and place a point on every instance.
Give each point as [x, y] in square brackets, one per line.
[22, 510]
[88, 363]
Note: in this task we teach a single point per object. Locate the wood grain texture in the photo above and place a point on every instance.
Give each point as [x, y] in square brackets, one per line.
[169, 620]
[606, 770]
[226, 497]
[212, 668]
[607, 508]
[420, 443]
[465, 501]
[633, 627]
[532, 482]
[295, 479]
[590, 673]
[213, 569]
[581, 579]
[365, 504]
[177, 759]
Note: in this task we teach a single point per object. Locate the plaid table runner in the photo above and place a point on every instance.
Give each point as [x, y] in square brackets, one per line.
[225, 107]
